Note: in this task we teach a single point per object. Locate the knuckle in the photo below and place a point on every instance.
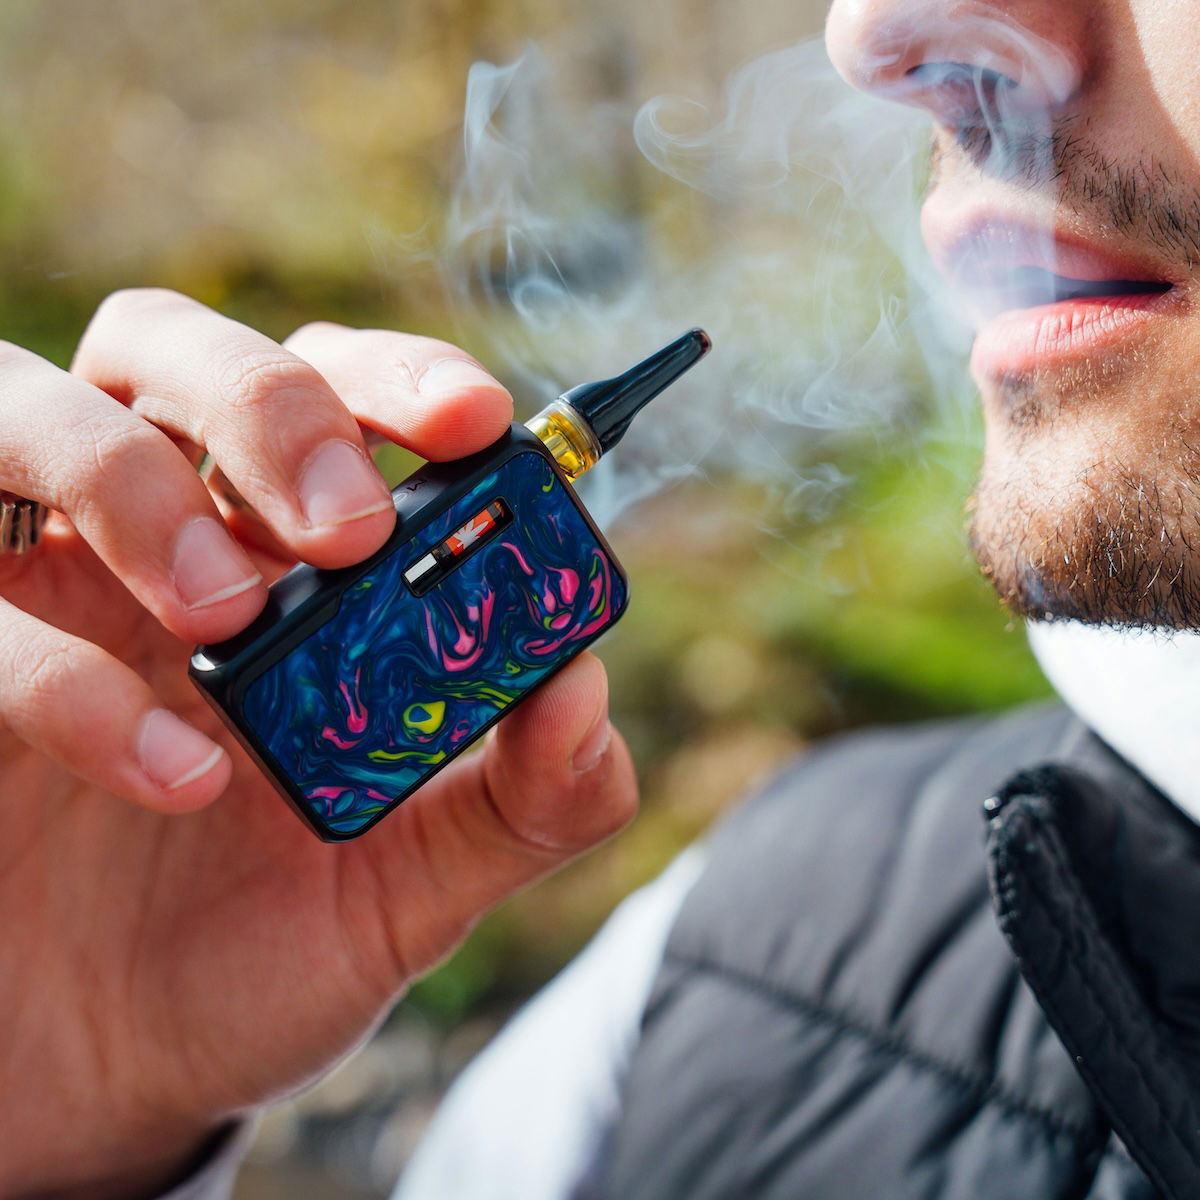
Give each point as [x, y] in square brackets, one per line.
[127, 304]
[118, 448]
[251, 381]
[113, 453]
[48, 669]
[116, 315]
[410, 354]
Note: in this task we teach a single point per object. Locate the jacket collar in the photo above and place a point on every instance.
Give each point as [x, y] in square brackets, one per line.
[1095, 879]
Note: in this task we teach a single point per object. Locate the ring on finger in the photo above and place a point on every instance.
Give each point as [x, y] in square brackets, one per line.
[21, 523]
[219, 482]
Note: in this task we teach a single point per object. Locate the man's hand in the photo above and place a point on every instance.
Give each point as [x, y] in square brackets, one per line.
[170, 961]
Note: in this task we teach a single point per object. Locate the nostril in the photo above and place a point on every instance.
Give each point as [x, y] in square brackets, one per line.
[959, 92]
[936, 74]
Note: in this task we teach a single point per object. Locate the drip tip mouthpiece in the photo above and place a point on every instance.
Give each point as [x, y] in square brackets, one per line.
[609, 405]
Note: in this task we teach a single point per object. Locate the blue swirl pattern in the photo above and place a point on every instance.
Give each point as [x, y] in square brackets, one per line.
[392, 687]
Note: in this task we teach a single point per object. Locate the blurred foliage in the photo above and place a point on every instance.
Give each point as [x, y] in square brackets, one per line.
[280, 160]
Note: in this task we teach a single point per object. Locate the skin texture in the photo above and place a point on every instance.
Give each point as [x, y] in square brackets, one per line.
[174, 955]
[1088, 498]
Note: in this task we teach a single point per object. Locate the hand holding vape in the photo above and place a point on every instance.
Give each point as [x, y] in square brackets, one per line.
[353, 687]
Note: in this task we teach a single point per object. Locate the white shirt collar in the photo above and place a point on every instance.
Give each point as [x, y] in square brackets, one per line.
[1139, 690]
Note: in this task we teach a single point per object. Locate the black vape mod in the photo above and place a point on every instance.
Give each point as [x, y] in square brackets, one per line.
[354, 686]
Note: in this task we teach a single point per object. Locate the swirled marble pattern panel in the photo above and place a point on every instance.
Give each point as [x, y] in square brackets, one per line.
[392, 686]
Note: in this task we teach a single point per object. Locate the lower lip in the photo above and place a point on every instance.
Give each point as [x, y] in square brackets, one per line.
[1053, 336]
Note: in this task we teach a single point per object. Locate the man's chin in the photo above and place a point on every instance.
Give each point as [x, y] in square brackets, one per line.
[1117, 565]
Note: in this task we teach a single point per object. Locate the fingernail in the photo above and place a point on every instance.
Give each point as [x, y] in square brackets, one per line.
[341, 484]
[455, 375]
[209, 566]
[593, 747]
[172, 752]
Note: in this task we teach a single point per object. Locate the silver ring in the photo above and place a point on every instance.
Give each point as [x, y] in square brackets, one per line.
[218, 481]
[21, 523]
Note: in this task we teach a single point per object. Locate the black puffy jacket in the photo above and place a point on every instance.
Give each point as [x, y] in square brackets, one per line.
[872, 992]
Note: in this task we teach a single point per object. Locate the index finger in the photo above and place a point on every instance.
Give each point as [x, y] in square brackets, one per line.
[268, 418]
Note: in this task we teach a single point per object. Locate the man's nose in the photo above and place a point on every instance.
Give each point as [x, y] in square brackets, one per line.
[941, 55]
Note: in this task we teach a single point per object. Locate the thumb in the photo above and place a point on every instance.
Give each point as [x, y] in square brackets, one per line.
[557, 773]
[555, 780]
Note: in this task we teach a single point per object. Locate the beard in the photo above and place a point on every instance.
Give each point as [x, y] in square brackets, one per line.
[1117, 547]
[1088, 503]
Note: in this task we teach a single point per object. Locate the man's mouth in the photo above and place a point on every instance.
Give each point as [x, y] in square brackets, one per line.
[1042, 298]
[1032, 287]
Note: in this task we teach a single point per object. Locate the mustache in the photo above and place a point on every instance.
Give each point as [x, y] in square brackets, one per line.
[1143, 200]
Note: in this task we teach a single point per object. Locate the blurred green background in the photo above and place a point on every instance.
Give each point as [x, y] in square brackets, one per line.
[293, 160]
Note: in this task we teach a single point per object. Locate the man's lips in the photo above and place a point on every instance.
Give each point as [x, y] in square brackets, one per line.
[1033, 286]
[995, 264]
[1040, 298]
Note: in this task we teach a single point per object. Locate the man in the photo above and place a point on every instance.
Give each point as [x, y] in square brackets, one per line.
[820, 1003]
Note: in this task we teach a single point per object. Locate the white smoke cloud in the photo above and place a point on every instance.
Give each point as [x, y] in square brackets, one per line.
[780, 215]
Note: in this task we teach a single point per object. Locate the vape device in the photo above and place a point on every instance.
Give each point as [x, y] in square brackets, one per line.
[354, 686]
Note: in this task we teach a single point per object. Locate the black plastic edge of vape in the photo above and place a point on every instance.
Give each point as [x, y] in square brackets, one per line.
[303, 599]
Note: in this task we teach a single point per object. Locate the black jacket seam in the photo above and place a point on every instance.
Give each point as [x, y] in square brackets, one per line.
[896, 1046]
